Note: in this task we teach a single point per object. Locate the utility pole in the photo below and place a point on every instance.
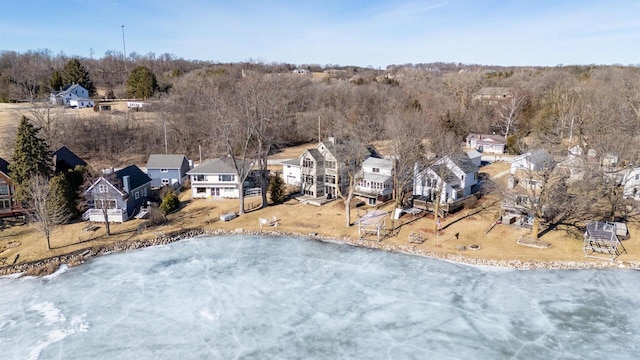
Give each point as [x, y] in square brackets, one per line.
[124, 49]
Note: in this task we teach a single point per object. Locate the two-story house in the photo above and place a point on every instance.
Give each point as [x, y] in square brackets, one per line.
[375, 181]
[631, 184]
[454, 178]
[8, 205]
[216, 178]
[167, 170]
[535, 160]
[120, 194]
[68, 93]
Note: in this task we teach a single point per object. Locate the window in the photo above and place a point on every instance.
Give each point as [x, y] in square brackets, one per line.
[4, 189]
[145, 191]
[165, 181]
[330, 179]
[331, 164]
[461, 177]
[201, 190]
[164, 170]
[102, 188]
[108, 204]
[308, 179]
[226, 178]
[307, 163]
[137, 195]
[375, 170]
[198, 177]
[637, 176]
[5, 204]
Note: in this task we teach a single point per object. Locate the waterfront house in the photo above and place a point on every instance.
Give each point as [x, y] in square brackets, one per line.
[375, 182]
[8, 205]
[65, 160]
[120, 194]
[217, 178]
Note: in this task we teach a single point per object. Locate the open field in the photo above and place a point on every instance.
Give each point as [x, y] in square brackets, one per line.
[464, 228]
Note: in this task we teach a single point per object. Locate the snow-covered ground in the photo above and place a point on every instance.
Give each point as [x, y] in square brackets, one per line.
[277, 297]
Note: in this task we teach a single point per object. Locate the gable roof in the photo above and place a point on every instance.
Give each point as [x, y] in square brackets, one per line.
[315, 154]
[378, 163]
[465, 164]
[222, 165]
[4, 166]
[137, 178]
[165, 161]
[68, 158]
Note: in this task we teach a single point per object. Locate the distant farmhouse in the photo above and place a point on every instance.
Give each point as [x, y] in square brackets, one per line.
[72, 95]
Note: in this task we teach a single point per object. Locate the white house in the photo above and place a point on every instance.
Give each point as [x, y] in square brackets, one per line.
[536, 160]
[457, 179]
[70, 92]
[376, 181]
[489, 144]
[215, 179]
[291, 173]
[78, 103]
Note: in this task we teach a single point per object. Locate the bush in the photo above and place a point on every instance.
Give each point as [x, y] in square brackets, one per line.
[156, 216]
[170, 202]
[277, 189]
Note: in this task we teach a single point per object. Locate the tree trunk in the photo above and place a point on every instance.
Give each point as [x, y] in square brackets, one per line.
[347, 208]
[241, 197]
[536, 227]
[264, 181]
[436, 210]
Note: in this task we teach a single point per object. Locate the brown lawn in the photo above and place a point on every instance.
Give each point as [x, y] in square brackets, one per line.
[465, 228]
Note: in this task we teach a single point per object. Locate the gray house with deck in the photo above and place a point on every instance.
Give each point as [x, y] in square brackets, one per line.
[120, 194]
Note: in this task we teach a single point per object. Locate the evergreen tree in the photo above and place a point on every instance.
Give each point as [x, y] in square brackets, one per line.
[276, 189]
[56, 82]
[170, 202]
[142, 83]
[31, 157]
[75, 73]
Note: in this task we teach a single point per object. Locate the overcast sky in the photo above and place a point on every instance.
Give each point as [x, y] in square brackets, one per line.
[364, 33]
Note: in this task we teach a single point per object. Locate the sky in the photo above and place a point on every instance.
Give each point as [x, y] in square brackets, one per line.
[373, 33]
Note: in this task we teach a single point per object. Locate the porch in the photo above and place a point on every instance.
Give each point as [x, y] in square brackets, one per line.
[114, 215]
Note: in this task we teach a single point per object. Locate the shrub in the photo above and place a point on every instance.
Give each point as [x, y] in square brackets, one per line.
[277, 189]
[170, 202]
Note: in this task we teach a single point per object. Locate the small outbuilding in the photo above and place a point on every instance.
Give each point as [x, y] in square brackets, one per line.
[601, 241]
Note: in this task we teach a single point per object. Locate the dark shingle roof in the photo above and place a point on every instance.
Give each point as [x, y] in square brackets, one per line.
[165, 161]
[315, 154]
[66, 159]
[137, 178]
[4, 166]
[465, 164]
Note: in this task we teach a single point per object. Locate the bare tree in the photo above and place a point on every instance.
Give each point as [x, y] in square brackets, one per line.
[406, 132]
[509, 110]
[45, 210]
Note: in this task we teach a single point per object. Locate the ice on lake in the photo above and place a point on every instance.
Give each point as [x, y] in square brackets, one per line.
[291, 298]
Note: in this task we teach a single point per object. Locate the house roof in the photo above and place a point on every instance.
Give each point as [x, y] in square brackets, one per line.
[137, 178]
[465, 164]
[378, 163]
[165, 161]
[291, 162]
[473, 154]
[4, 166]
[443, 172]
[315, 154]
[67, 89]
[222, 165]
[66, 156]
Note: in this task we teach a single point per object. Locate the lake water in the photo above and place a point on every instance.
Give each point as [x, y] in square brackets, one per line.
[255, 297]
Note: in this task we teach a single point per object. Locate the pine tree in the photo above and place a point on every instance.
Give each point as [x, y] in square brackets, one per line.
[141, 83]
[31, 157]
[56, 82]
[276, 189]
[75, 73]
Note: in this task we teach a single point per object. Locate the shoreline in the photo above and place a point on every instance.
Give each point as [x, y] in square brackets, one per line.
[50, 265]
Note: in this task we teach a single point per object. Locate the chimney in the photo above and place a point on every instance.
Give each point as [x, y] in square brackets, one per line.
[126, 186]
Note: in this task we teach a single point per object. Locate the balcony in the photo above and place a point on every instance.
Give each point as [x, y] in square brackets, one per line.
[114, 215]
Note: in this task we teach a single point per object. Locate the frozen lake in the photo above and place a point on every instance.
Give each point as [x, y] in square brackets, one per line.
[288, 298]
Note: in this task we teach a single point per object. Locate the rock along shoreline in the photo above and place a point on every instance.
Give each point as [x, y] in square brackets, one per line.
[50, 265]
